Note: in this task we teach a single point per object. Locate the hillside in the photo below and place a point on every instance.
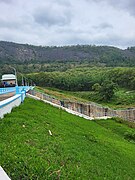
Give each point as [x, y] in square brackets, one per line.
[77, 149]
[13, 53]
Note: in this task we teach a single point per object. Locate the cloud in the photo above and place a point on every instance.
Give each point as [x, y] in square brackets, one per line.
[5, 1]
[52, 15]
[103, 26]
[128, 5]
[9, 25]
[63, 22]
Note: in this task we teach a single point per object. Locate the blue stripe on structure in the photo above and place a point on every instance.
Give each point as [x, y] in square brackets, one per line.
[6, 92]
[7, 88]
[9, 100]
[15, 89]
[19, 88]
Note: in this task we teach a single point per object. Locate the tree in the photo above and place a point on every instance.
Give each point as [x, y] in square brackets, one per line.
[107, 90]
[96, 87]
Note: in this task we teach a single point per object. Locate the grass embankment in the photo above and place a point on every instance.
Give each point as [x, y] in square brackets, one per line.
[77, 149]
[122, 98]
[60, 94]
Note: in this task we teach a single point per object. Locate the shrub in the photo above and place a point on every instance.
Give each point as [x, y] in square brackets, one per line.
[129, 136]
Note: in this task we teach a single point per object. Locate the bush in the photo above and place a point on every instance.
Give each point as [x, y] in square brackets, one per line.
[129, 136]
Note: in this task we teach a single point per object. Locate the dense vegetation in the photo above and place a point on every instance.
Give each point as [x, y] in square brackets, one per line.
[114, 85]
[83, 79]
[27, 58]
[73, 68]
[77, 149]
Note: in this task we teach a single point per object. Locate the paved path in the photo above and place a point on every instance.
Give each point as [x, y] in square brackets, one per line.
[5, 96]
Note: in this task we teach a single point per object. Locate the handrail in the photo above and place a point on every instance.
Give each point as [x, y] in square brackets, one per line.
[13, 89]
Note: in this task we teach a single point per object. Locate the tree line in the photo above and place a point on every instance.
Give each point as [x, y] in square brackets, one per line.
[83, 79]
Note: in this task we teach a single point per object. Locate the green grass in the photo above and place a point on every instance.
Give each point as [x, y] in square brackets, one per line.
[77, 149]
[60, 94]
[122, 98]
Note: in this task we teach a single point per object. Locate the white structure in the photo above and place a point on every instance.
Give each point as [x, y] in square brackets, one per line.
[3, 175]
[9, 79]
[7, 105]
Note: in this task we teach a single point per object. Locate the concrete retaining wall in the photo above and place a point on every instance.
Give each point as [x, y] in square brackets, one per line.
[92, 109]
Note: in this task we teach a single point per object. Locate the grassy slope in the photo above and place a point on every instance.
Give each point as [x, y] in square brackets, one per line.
[122, 99]
[60, 94]
[78, 149]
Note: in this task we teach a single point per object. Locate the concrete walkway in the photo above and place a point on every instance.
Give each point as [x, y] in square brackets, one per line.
[68, 110]
[3, 175]
[6, 96]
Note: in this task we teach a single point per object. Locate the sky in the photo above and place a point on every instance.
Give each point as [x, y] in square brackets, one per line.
[68, 22]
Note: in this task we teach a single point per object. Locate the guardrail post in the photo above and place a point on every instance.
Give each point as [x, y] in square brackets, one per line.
[17, 89]
[23, 92]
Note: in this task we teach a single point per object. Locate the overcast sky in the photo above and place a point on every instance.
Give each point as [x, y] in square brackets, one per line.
[68, 22]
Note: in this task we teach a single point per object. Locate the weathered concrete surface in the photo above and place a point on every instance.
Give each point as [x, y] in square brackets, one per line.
[66, 109]
[91, 110]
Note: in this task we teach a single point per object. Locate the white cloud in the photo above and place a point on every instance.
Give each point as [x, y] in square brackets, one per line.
[63, 22]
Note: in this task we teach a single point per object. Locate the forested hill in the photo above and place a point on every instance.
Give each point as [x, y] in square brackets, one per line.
[13, 53]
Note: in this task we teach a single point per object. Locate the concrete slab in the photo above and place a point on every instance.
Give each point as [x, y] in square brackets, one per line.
[3, 175]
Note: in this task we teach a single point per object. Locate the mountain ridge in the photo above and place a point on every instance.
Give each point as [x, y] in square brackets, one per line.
[15, 53]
